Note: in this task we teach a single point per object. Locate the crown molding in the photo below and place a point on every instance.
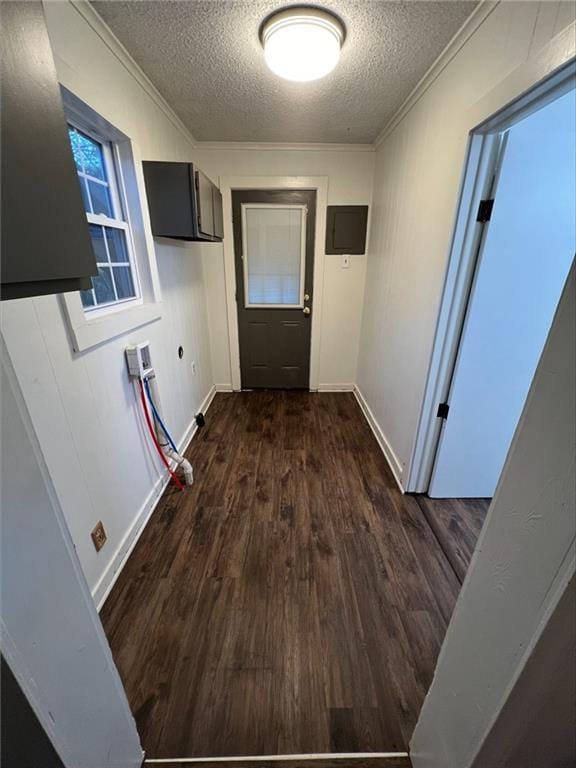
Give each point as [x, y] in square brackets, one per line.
[286, 147]
[99, 26]
[472, 23]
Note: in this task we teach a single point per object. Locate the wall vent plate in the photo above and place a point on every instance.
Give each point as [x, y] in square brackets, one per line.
[98, 536]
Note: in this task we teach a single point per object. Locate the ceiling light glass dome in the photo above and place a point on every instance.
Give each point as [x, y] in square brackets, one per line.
[302, 44]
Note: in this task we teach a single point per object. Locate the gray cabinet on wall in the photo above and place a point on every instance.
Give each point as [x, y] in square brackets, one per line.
[346, 229]
[45, 242]
[183, 203]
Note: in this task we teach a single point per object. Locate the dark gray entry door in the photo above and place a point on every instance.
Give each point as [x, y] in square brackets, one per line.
[274, 255]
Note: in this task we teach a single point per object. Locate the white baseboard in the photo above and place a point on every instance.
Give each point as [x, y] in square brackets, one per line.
[120, 558]
[385, 446]
[223, 387]
[335, 388]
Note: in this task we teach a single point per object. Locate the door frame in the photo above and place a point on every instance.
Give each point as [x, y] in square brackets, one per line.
[512, 100]
[318, 184]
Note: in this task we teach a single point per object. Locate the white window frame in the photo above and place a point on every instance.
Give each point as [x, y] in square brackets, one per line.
[115, 185]
[89, 327]
[278, 206]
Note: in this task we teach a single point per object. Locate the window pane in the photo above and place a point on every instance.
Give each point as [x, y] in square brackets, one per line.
[124, 284]
[109, 244]
[116, 244]
[92, 156]
[97, 236]
[103, 287]
[273, 255]
[100, 196]
[87, 298]
[76, 148]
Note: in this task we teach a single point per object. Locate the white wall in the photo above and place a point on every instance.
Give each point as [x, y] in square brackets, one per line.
[523, 565]
[349, 173]
[418, 171]
[82, 405]
[51, 636]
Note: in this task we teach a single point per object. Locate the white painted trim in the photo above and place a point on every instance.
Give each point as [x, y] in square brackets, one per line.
[527, 88]
[320, 185]
[278, 758]
[270, 146]
[336, 387]
[223, 387]
[88, 331]
[479, 167]
[124, 550]
[386, 448]
[472, 23]
[99, 26]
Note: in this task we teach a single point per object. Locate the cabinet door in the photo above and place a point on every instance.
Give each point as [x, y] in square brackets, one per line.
[218, 217]
[169, 193]
[45, 243]
[204, 205]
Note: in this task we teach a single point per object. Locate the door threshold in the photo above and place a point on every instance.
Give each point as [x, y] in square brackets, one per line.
[327, 756]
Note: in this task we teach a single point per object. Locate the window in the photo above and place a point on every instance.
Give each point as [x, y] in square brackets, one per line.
[117, 280]
[274, 252]
[126, 294]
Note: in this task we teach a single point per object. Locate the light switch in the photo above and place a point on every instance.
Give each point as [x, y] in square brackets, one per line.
[345, 262]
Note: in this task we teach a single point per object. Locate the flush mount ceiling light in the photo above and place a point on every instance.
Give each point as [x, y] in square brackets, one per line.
[302, 44]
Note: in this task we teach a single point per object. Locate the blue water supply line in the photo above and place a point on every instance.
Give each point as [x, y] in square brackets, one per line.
[157, 415]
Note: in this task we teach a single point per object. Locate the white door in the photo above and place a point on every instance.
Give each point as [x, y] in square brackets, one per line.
[528, 249]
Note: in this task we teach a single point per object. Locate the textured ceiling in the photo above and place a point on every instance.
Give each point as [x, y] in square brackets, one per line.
[205, 58]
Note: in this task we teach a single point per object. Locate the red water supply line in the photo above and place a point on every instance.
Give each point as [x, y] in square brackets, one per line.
[155, 439]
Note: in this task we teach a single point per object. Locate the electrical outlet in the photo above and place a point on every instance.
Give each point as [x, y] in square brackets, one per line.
[98, 536]
[193, 367]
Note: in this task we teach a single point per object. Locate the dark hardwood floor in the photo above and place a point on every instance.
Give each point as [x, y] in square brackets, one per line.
[291, 601]
[457, 524]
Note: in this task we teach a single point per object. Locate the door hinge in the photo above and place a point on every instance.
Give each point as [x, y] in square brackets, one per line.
[485, 210]
[443, 409]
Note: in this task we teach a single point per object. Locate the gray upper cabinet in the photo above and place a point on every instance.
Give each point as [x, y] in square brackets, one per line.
[346, 229]
[218, 217]
[183, 203]
[46, 247]
[205, 205]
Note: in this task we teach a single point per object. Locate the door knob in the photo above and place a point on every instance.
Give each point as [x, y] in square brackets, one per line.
[306, 310]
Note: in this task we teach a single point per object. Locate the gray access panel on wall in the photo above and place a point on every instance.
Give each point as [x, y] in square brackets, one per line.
[346, 229]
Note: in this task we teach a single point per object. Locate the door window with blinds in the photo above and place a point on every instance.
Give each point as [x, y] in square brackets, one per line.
[274, 250]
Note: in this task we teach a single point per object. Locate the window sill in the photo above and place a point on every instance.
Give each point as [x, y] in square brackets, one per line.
[89, 332]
